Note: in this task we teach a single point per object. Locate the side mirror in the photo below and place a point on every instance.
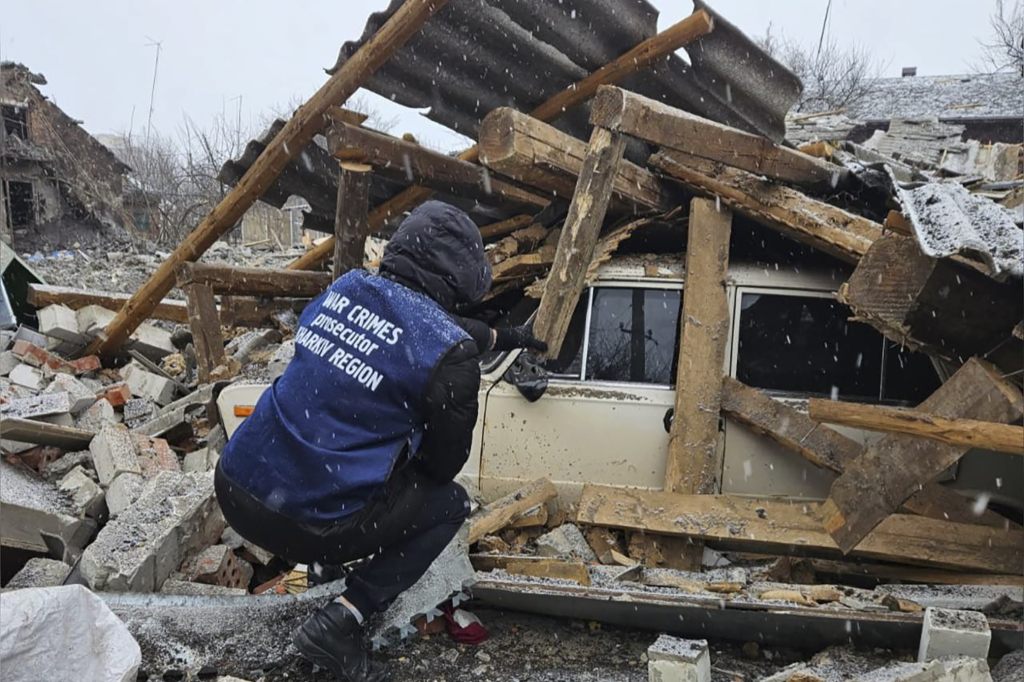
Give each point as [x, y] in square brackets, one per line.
[528, 376]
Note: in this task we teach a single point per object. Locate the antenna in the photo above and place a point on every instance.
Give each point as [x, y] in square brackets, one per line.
[152, 90]
[824, 23]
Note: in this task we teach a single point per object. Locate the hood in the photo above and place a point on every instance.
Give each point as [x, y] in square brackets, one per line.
[438, 250]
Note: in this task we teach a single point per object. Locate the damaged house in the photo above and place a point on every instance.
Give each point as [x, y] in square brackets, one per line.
[55, 176]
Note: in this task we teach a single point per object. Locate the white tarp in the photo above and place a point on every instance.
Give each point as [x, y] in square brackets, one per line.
[63, 633]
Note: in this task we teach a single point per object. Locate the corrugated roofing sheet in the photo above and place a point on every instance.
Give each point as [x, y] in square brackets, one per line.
[476, 55]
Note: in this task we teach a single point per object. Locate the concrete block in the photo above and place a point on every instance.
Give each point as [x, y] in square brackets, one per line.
[566, 541]
[58, 468]
[99, 413]
[31, 507]
[113, 453]
[86, 495]
[145, 384]
[39, 572]
[956, 669]
[138, 409]
[1010, 667]
[43, 405]
[186, 587]
[154, 455]
[28, 376]
[671, 659]
[174, 516]
[60, 322]
[93, 319]
[81, 396]
[123, 492]
[152, 341]
[280, 359]
[947, 632]
[64, 419]
[8, 361]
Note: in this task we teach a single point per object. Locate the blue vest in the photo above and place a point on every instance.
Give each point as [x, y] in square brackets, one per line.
[325, 437]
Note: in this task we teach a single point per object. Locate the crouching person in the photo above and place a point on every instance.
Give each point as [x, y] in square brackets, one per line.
[353, 451]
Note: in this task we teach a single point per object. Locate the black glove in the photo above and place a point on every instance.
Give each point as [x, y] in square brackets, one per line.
[509, 338]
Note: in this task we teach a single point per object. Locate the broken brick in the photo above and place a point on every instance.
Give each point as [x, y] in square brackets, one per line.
[154, 455]
[117, 394]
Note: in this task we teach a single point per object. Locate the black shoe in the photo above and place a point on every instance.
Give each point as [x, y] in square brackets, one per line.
[333, 639]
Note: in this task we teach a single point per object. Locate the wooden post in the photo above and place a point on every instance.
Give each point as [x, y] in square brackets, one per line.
[351, 223]
[233, 280]
[287, 145]
[579, 237]
[205, 324]
[642, 55]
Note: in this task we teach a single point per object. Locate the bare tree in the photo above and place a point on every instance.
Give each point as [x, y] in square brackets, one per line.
[834, 77]
[1004, 49]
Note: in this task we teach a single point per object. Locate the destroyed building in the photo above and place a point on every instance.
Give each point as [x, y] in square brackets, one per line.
[781, 408]
[55, 176]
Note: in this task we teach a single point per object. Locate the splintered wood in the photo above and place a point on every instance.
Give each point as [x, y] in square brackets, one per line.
[500, 513]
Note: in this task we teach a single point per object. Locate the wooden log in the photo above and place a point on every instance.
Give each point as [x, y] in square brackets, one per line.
[537, 154]
[828, 449]
[812, 222]
[204, 321]
[408, 161]
[286, 146]
[351, 222]
[500, 513]
[43, 433]
[969, 433]
[579, 238]
[771, 526]
[692, 466]
[665, 126]
[892, 469]
[42, 295]
[639, 57]
[227, 279]
[935, 305]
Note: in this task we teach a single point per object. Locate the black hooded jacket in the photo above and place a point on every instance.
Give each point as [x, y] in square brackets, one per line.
[438, 251]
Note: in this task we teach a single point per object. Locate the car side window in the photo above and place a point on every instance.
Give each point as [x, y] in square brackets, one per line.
[632, 335]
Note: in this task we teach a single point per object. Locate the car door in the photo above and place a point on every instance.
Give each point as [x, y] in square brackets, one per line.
[603, 418]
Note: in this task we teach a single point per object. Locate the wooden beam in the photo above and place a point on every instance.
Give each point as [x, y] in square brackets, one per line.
[351, 223]
[812, 222]
[43, 433]
[828, 449]
[537, 567]
[935, 305]
[286, 146]
[969, 433]
[772, 526]
[912, 574]
[693, 465]
[665, 126]
[537, 154]
[639, 57]
[505, 227]
[892, 469]
[579, 237]
[408, 161]
[42, 295]
[227, 279]
[500, 513]
[249, 311]
[204, 321]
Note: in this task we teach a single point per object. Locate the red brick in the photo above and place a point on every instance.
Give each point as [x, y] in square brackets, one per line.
[154, 455]
[90, 363]
[37, 458]
[36, 356]
[116, 394]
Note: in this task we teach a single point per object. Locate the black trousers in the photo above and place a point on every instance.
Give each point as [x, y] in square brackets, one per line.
[404, 531]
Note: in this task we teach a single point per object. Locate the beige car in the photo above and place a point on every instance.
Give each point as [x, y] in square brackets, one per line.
[605, 415]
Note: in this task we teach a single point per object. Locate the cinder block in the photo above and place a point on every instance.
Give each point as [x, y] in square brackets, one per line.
[98, 414]
[138, 409]
[123, 492]
[43, 405]
[60, 322]
[8, 361]
[93, 319]
[28, 376]
[145, 384]
[153, 342]
[39, 572]
[565, 541]
[154, 455]
[218, 565]
[81, 396]
[113, 453]
[85, 494]
[948, 632]
[671, 659]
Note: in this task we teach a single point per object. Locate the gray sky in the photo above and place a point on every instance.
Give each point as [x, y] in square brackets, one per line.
[99, 65]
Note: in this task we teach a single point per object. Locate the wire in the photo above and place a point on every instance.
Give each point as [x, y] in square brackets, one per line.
[824, 23]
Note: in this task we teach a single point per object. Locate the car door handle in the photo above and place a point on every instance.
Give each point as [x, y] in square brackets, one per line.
[667, 419]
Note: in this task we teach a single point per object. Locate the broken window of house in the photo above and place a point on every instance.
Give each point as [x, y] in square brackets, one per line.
[20, 203]
[15, 120]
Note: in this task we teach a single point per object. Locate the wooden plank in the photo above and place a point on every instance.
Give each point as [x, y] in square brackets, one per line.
[936, 305]
[505, 227]
[579, 238]
[892, 469]
[639, 57]
[408, 161]
[538, 567]
[912, 574]
[537, 154]
[531, 519]
[500, 513]
[828, 449]
[693, 465]
[232, 280]
[204, 322]
[43, 433]
[969, 433]
[750, 524]
[812, 222]
[42, 295]
[351, 223]
[286, 146]
[660, 124]
[248, 311]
